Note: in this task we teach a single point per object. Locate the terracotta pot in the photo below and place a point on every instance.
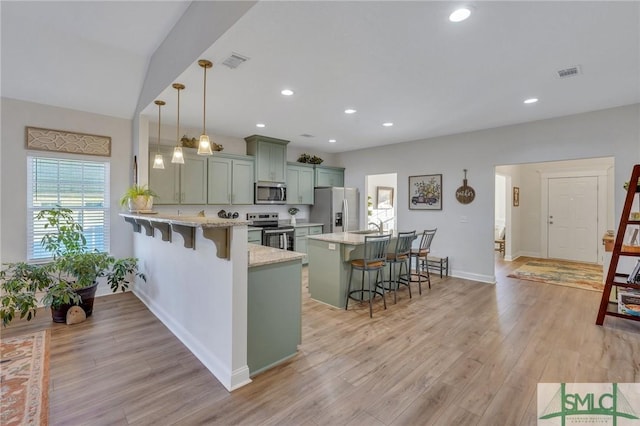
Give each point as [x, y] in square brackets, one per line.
[87, 295]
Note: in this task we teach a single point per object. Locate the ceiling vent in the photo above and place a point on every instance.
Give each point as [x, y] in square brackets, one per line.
[307, 135]
[569, 72]
[235, 60]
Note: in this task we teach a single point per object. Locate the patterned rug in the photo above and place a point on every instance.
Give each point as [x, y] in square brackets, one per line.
[24, 379]
[569, 274]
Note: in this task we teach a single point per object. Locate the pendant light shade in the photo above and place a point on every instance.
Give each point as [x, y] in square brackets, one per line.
[158, 161]
[177, 150]
[204, 146]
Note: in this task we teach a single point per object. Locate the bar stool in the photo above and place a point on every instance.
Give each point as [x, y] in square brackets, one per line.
[375, 256]
[400, 256]
[420, 254]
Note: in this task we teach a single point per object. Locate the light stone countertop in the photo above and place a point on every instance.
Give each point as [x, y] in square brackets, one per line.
[345, 237]
[263, 255]
[195, 221]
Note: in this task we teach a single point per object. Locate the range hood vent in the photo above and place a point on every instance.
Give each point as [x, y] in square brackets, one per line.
[235, 60]
[569, 72]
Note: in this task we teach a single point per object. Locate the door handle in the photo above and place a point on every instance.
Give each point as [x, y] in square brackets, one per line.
[550, 222]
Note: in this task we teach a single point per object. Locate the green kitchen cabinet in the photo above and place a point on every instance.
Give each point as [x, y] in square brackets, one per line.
[164, 182]
[230, 180]
[300, 184]
[178, 183]
[193, 179]
[301, 233]
[271, 157]
[254, 236]
[329, 176]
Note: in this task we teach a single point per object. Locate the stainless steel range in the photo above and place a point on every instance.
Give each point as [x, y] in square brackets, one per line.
[273, 235]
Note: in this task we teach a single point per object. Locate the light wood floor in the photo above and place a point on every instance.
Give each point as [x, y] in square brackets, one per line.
[463, 353]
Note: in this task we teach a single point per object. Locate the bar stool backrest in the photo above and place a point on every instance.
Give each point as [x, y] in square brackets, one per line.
[403, 246]
[375, 249]
[425, 241]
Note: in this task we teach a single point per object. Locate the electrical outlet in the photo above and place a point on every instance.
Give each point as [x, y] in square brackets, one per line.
[332, 246]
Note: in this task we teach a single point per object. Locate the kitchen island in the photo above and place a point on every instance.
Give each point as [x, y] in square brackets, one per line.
[329, 256]
[198, 273]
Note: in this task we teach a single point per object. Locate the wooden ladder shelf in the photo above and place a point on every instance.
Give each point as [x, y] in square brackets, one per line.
[615, 278]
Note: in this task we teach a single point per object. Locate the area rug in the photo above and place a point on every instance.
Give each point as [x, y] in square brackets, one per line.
[24, 379]
[569, 274]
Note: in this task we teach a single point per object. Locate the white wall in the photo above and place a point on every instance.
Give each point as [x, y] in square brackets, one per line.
[465, 232]
[16, 115]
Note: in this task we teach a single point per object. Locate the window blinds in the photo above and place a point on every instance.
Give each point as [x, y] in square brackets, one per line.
[82, 186]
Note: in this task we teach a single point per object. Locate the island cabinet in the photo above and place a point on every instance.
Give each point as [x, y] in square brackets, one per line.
[230, 180]
[329, 176]
[301, 233]
[179, 183]
[271, 157]
[300, 183]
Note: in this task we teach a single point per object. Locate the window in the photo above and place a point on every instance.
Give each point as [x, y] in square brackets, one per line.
[82, 186]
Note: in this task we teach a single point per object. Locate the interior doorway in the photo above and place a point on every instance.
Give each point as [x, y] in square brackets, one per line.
[381, 201]
[543, 188]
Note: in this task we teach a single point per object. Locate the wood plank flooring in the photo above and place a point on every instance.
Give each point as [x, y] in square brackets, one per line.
[463, 353]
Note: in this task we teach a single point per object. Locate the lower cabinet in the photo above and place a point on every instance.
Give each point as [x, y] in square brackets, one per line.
[301, 238]
[274, 314]
[255, 236]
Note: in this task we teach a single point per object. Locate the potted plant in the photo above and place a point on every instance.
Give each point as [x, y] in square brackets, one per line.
[70, 278]
[138, 198]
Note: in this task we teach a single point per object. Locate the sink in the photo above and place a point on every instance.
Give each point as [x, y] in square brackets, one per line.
[365, 231]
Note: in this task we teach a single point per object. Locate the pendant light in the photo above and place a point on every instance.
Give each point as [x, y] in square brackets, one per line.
[177, 150]
[158, 162]
[204, 147]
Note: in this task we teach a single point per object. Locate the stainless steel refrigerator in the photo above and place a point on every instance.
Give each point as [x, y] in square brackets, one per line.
[336, 208]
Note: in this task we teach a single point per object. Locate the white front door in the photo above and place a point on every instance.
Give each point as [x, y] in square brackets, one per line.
[573, 218]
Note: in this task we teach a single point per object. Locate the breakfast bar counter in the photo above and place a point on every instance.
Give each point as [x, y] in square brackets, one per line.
[224, 298]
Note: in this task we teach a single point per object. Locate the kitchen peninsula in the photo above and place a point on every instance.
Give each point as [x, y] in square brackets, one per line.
[329, 269]
[203, 281]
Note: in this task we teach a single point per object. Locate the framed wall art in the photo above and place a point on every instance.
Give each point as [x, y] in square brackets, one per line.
[425, 192]
[385, 197]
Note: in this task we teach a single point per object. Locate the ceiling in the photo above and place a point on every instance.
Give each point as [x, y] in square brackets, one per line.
[402, 62]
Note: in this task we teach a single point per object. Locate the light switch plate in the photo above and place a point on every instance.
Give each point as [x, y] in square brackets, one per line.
[332, 246]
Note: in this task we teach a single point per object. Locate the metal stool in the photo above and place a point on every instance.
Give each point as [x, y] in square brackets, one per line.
[399, 256]
[375, 256]
[420, 254]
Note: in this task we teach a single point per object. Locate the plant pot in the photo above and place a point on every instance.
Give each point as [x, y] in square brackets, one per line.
[141, 203]
[87, 295]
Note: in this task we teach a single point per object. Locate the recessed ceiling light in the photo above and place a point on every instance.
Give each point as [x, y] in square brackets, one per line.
[332, 141]
[459, 15]
[260, 125]
[531, 101]
[287, 92]
[387, 124]
[349, 111]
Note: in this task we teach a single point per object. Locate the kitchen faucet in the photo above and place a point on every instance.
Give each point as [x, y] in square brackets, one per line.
[377, 225]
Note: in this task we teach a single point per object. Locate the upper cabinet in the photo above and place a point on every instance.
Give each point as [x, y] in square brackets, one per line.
[300, 183]
[179, 183]
[329, 176]
[230, 180]
[271, 157]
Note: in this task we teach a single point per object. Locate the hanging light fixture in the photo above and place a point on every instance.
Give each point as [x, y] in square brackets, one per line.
[158, 161]
[177, 150]
[204, 147]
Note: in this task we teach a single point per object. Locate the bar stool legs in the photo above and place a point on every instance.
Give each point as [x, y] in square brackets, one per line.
[372, 290]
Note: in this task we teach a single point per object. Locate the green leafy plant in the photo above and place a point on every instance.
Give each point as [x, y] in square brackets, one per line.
[293, 211]
[136, 191]
[72, 267]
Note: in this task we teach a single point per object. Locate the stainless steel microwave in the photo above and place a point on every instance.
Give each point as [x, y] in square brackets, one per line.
[271, 193]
